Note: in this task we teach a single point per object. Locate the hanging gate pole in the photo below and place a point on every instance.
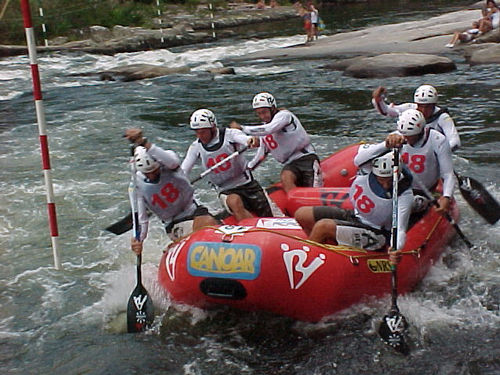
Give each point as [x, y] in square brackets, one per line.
[42, 129]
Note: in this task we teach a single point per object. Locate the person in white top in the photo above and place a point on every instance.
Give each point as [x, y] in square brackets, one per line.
[314, 21]
[425, 100]
[239, 193]
[285, 138]
[368, 226]
[465, 36]
[491, 17]
[425, 151]
[163, 188]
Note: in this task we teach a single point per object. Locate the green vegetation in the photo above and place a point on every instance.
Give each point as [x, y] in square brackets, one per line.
[67, 17]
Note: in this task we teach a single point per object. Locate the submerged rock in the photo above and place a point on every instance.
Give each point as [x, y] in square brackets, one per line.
[136, 72]
[399, 65]
[223, 70]
[488, 53]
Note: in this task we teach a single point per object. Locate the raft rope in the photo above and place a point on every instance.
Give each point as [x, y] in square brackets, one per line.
[350, 252]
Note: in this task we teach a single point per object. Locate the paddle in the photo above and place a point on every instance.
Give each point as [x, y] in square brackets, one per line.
[126, 223]
[218, 164]
[446, 215]
[140, 310]
[122, 226]
[479, 198]
[394, 325]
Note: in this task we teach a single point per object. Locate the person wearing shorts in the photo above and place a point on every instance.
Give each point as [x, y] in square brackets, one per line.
[368, 225]
[239, 193]
[283, 136]
[162, 188]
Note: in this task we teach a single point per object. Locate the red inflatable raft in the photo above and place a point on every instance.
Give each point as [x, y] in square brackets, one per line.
[268, 264]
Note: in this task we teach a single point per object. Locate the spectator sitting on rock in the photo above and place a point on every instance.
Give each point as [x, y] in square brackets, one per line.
[465, 36]
[491, 17]
[260, 4]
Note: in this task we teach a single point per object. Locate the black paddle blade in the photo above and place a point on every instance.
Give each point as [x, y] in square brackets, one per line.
[479, 198]
[140, 310]
[121, 226]
[392, 331]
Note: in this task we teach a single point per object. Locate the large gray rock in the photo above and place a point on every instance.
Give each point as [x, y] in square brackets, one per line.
[100, 33]
[488, 53]
[426, 36]
[491, 37]
[136, 72]
[399, 65]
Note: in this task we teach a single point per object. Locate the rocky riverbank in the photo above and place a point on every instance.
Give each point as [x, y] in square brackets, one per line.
[176, 30]
[408, 48]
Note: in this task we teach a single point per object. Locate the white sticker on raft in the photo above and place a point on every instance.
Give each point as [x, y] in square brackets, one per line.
[278, 223]
[233, 229]
[301, 256]
[171, 259]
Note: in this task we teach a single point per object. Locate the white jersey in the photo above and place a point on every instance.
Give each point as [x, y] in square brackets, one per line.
[440, 120]
[171, 197]
[429, 159]
[229, 175]
[373, 210]
[284, 137]
[314, 16]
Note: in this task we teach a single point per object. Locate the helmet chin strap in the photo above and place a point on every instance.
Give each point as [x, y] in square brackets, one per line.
[272, 111]
[213, 133]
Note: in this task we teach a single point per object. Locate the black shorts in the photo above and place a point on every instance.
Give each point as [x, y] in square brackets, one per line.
[199, 211]
[253, 197]
[303, 169]
[334, 213]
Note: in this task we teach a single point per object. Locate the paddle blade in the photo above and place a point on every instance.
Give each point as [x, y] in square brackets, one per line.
[140, 310]
[479, 198]
[121, 226]
[392, 330]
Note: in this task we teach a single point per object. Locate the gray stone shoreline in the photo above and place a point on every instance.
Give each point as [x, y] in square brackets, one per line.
[408, 48]
[177, 30]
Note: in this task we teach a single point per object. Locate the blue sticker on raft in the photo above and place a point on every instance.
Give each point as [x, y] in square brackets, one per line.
[225, 260]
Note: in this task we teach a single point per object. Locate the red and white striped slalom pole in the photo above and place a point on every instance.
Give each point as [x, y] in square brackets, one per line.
[40, 115]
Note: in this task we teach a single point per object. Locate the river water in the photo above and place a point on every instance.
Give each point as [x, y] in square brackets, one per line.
[73, 321]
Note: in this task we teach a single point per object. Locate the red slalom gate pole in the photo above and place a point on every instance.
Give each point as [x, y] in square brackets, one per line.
[42, 129]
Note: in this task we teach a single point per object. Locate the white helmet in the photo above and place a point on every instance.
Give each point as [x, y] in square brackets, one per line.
[202, 118]
[143, 162]
[411, 122]
[382, 166]
[263, 100]
[426, 94]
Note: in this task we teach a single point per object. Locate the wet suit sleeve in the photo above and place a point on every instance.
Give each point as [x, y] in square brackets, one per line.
[259, 157]
[143, 217]
[447, 125]
[444, 156]
[167, 158]
[191, 158]
[279, 121]
[405, 203]
[237, 136]
[367, 152]
[391, 110]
